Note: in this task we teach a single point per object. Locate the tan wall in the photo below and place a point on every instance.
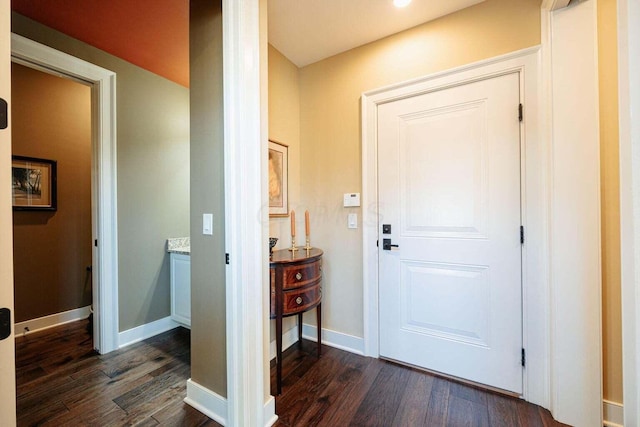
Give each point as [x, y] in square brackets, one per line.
[52, 120]
[153, 173]
[330, 125]
[610, 186]
[284, 127]
[208, 315]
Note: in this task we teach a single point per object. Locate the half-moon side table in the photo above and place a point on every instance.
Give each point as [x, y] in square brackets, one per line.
[296, 278]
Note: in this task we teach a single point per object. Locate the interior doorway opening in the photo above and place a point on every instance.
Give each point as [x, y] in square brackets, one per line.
[52, 198]
[104, 267]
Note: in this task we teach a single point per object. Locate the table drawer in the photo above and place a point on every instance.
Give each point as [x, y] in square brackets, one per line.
[300, 300]
[300, 275]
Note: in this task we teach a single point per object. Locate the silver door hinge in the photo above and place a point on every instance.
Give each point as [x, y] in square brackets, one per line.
[524, 359]
[522, 235]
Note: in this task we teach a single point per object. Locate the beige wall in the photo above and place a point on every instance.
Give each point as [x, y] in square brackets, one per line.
[330, 125]
[153, 173]
[208, 315]
[52, 120]
[610, 194]
[284, 127]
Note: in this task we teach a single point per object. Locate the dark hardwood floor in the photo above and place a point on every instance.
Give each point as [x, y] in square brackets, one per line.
[62, 382]
[344, 389]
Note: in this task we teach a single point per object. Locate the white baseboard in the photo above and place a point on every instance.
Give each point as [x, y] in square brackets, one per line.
[613, 414]
[331, 338]
[335, 339]
[214, 406]
[206, 401]
[148, 330]
[46, 322]
[269, 415]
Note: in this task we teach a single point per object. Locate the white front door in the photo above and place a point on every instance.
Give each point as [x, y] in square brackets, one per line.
[7, 353]
[449, 188]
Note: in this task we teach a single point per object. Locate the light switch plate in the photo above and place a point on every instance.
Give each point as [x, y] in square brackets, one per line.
[352, 221]
[351, 200]
[207, 224]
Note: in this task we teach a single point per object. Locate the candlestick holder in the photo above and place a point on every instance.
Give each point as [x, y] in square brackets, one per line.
[293, 243]
[307, 246]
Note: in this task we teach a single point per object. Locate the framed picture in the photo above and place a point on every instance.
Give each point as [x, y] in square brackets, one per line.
[278, 179]
[33, 184]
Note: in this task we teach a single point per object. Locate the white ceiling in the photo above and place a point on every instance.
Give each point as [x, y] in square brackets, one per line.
[306, 31]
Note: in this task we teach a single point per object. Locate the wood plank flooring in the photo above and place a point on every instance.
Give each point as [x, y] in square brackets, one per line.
[343, 389]
[61, 381]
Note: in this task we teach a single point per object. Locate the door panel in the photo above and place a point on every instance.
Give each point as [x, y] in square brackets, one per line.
[444, 180]
[449, 184]
[427, 286]
[7, 352]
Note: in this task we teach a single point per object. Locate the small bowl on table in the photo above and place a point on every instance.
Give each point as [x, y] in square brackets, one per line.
[272, 243]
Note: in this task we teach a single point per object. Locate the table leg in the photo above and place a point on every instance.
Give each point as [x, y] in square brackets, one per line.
[300, 330]
[278, 355]
[319, 322]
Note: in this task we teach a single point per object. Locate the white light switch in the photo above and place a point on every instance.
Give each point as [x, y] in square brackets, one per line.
[207, 224]
[351, 200]
[352, 221]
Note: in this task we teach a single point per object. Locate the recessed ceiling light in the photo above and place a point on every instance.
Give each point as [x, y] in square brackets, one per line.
[401, 3]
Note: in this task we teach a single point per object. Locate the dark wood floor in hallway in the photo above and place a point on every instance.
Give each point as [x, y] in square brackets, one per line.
[344, 389]
[61, 381]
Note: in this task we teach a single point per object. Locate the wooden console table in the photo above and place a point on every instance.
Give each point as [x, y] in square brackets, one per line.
[295, 288]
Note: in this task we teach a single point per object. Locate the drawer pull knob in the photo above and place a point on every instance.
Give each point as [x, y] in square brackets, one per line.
[298, 276]
[299, 299]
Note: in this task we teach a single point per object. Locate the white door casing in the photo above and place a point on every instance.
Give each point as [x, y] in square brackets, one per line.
[449, 186]
[7, 346]
[629, 102]
[535, 291]
[570, 44]
[103, 187]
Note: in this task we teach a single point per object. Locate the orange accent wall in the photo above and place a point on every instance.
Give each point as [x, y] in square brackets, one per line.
[152, 34]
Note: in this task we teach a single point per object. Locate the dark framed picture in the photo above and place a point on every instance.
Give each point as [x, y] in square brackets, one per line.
[33, 184]
[278, 179]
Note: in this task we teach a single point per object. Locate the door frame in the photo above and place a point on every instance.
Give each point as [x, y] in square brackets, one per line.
[535, 283]
[629, 101]
[7, 345]
[103, 176]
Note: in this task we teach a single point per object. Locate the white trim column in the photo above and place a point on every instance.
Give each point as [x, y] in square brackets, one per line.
[7, 345]
[570, 82]
[244, 166]
[629, 111]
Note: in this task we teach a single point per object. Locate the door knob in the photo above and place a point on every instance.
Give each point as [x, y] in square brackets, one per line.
[386, 245]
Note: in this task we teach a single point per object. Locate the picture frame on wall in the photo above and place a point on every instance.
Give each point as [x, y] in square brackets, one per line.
[33, 184]
[278, 179]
